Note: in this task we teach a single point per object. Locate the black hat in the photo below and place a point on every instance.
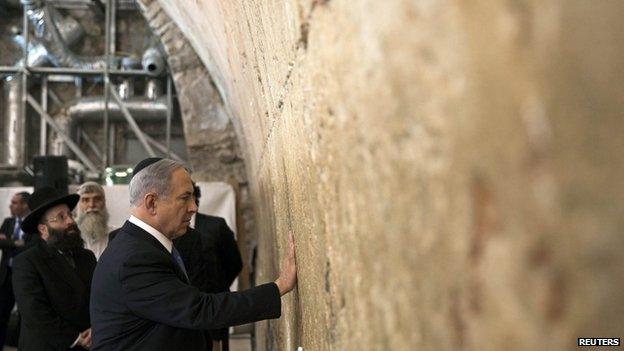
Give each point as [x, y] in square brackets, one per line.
[146, 162]
[41, 201]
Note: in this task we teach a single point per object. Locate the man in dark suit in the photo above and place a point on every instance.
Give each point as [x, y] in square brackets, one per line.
[141, 298]
[52, 279]
[222, 258]
[12, 242]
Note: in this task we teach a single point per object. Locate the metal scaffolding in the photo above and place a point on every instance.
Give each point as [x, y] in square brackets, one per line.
[103, 153]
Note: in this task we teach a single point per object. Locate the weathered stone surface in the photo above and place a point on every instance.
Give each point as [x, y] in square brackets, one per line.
[213, 147]
[451, 169]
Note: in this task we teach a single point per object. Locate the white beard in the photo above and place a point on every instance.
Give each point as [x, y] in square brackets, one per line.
[93, 225]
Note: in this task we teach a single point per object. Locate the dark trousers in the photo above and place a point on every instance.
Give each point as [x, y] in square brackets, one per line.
[7, 301]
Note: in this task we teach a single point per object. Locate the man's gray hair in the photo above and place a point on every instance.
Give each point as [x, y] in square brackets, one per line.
[90, 187]
[154, 178]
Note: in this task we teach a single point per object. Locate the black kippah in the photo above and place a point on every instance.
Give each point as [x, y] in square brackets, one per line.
[146, 162]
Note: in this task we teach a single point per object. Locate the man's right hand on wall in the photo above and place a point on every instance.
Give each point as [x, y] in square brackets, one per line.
[288, 274]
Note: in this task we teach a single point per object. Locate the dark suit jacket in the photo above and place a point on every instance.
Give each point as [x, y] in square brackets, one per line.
[211, 247]
[141, 299]
[53, 298]
[9, 250]
[190, 247]
[223, 259]
[7, 245]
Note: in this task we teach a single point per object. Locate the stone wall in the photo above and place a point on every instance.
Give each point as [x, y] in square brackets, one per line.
[451, 170]
[213, 148]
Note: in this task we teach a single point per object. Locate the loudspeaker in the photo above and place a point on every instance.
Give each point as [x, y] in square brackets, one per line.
[51, 171]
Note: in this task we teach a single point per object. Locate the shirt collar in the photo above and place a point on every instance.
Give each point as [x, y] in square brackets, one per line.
[166, 242]
[193, 220]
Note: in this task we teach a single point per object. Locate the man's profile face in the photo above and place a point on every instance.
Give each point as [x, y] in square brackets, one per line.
[174, 212]
[91, 202]
[18, 206]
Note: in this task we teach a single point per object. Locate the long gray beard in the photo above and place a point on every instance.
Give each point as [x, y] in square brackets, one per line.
[93, 225]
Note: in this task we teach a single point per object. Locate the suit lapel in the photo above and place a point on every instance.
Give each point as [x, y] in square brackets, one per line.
[138, 232]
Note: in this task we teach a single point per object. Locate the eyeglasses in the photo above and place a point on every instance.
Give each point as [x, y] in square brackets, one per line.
[61, 217]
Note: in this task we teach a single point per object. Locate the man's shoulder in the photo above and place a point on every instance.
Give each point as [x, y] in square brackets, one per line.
[6, 221]
[208, 217]
[34, 253]
[123, 248]
[210, 221]
[128, 241]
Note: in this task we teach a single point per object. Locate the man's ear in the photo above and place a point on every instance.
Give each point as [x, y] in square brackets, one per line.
[43, 229]
[150, 202]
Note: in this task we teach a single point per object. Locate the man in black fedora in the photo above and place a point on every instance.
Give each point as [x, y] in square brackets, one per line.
[52, 280]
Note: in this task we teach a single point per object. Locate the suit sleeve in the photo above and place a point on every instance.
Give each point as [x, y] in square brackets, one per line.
[4, 229]
[34, 306]
[231, 261]
[7, 244]
[153, 291]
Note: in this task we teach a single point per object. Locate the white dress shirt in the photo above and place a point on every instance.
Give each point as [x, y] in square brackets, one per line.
[166, 242]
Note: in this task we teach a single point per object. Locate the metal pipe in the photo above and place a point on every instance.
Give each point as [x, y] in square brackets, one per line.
[34, 53]
[70, 32]
[111, 143]
[169, 113]
[10, 69]
[113, 28]
[14, 133]
[91, 144]
[83, 158]
[106, 82]
[153, 90]
[126, 88]
[21, 133]
[78, 85]
[74, 71]
[141, 109]
[43, 129]
[160, 147]
[44, 19]
[132, 123]
[153, 61]
[123, 5]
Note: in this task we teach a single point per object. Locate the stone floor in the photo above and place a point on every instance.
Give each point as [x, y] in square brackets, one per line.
[240, 342]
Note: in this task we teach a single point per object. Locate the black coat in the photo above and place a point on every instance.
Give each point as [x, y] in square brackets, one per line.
[52, 297]
[219, 249]
[212, 254]
[6, 245]
[190, 247]
[9, 250]
[141, 300]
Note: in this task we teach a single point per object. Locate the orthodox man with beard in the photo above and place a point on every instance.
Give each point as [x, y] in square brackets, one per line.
[52, 280]
[92, 217]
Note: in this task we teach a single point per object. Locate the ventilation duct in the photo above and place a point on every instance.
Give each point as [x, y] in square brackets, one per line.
[69, 31]
[44, 20]
[14, 124]
[153, 61]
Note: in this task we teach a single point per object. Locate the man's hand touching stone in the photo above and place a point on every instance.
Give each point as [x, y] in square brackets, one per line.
[288, 274]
